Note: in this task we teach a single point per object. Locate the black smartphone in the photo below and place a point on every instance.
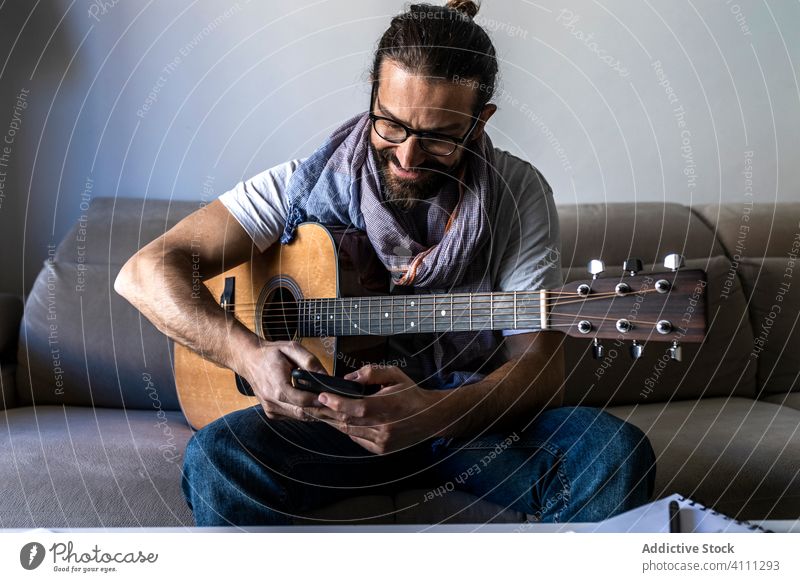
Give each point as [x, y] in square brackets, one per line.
[318, 383]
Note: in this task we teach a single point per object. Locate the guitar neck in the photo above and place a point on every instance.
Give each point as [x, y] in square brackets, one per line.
[657, 306]
[396, 314]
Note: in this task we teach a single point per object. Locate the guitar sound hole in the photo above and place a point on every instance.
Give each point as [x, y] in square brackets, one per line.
[279, 317]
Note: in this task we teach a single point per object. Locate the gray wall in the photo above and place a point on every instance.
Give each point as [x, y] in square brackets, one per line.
[236, 87]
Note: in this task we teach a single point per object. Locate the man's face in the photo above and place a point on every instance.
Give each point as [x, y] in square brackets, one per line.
[410, 173]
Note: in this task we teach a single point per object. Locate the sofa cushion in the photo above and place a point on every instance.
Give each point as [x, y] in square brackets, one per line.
[764, 242]
[77, 333]
[717, 367]
[453, 507]
[736, 455]
[360, 510]
[90, 348]
[115, 228]
[790, 399]
[84, 467]
[775, 316]
[615, 231]
[753, 230]
[412, 506]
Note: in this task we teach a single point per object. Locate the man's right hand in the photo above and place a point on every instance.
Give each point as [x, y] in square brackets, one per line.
[268, 370]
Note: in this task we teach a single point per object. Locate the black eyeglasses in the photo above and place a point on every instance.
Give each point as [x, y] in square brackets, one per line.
[436, 144]
[433, 143]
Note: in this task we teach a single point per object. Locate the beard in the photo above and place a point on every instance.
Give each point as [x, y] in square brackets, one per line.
[404, 194]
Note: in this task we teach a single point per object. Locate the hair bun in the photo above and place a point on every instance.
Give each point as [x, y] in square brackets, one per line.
[467, 7]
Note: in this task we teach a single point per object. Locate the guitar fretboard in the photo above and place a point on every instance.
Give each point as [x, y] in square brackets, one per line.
[396, 314]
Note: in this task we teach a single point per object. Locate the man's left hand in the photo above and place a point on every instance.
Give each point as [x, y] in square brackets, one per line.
[399, 415]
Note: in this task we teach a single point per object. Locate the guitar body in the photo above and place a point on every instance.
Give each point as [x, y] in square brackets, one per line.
[321, 262]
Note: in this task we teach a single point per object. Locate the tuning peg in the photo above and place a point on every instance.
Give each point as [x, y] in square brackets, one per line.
[596, 266]
[636, 350]
[675, 352]
[632, 265]
[673, 261]
[598, 351]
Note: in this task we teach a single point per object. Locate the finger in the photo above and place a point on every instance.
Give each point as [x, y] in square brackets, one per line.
[280, 388]
[367, 444]
[281, 411]
[321, 413]
[349, 406]
[342, 418]
[362, 370]
[364, 432]
[302, 358]
[378, 375]
[294, 396]
[272, 412]
[304, 414]
[309, 417]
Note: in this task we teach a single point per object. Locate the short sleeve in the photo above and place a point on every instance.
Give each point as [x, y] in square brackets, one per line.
[259, 204]
[532, 257]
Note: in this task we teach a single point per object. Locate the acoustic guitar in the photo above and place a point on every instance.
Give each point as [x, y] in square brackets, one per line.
[329, 290]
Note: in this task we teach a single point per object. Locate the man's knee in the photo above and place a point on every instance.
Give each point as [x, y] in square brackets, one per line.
[216, 448]
[225, 479]
[626, 464]
[608, 463]
[202, 450]
[207, 444]
[613, 457]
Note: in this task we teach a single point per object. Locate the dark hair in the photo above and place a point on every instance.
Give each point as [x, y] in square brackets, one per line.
[441, 41]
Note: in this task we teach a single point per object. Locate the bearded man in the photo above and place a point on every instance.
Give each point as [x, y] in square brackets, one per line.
[443, 210]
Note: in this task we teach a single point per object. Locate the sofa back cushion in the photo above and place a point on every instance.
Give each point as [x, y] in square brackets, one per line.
[650, 231]
[763, 241]
[80, 342]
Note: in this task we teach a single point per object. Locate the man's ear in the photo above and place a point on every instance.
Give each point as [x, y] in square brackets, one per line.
[488, 111]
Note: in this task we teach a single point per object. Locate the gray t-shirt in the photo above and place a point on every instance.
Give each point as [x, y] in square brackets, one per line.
[525, 253]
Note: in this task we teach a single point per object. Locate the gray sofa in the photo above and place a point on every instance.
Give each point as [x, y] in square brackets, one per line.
[92, 434]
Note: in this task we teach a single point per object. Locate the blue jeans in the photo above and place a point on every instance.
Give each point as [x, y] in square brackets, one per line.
[574, 464]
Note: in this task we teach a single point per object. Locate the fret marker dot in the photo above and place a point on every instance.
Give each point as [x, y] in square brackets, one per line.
[386, 315]
[412, 304]
[331, 317]
[356, 305]
[412, 324]
[443, 312]
[355, 325]
[318, 317]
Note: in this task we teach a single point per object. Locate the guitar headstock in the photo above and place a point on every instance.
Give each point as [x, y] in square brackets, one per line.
[667, 306]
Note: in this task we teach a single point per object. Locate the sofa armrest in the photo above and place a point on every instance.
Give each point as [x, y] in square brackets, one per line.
[10, 316]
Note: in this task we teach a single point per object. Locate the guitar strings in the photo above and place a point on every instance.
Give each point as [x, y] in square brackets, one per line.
[497, 319]
[306, 306]
[393, 299]
[500, 294]
[495, 315]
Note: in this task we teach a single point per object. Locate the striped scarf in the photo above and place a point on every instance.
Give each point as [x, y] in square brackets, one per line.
[339, 185]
